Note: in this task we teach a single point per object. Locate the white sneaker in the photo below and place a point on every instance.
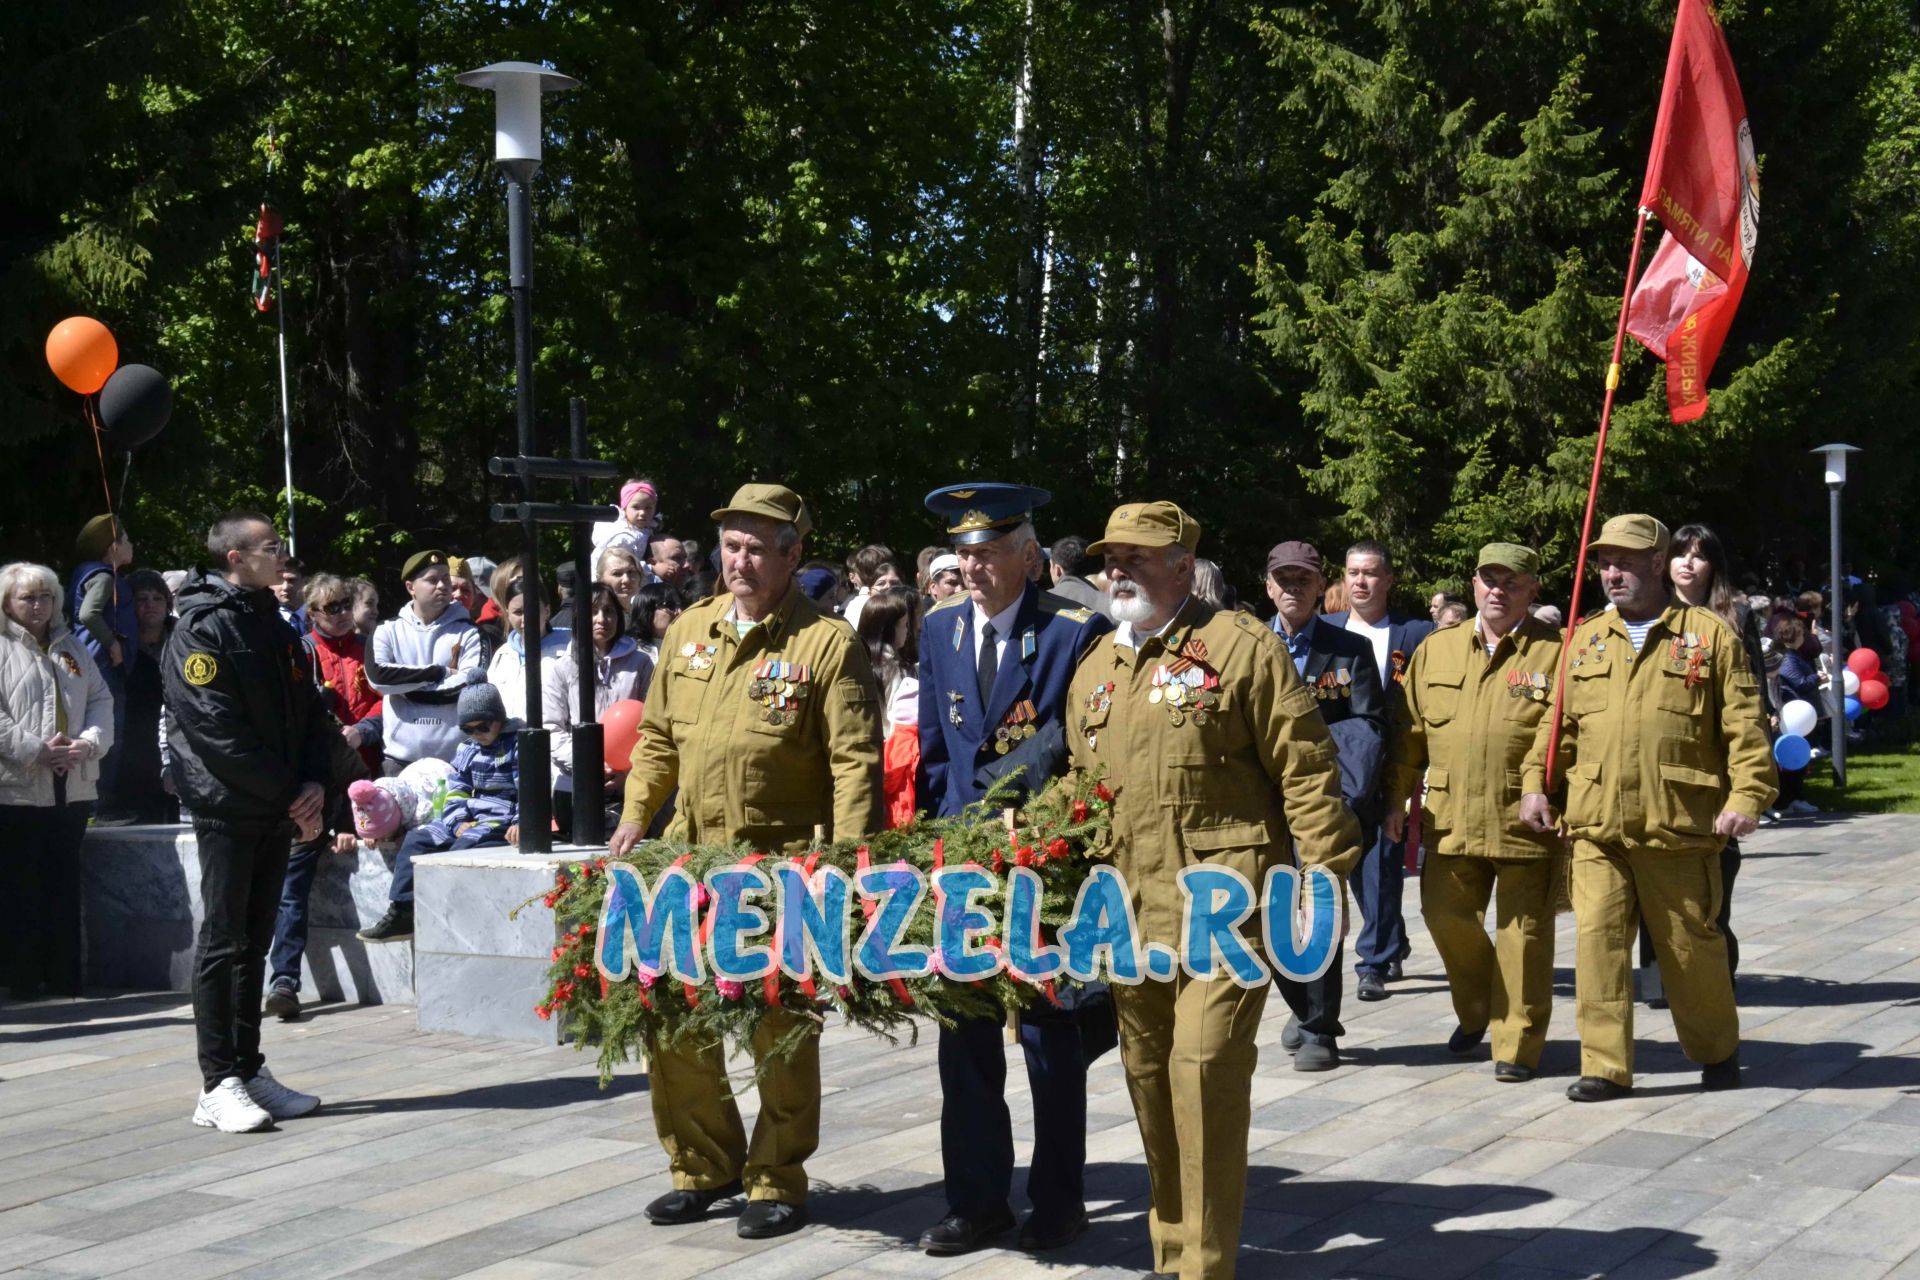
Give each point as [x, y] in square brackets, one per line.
[228, 1108]
[276, 1099]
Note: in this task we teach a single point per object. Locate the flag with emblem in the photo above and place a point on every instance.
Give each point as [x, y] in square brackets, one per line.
[1703, 183]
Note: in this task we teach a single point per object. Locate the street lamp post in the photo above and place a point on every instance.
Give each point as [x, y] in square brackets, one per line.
[1835, 456]
[517, 89]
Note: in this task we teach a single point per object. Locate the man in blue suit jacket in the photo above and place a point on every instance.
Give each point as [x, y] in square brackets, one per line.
[995, 663]
[1337, 668]
[1377, 883]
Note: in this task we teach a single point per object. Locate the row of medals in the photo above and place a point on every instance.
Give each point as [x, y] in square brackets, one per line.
[1188, 691]
[1016, 731]
[779, 688]
[1527, 684]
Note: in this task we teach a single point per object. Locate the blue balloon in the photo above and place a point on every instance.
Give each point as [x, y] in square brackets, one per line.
[1790, 751]
[1855, 708]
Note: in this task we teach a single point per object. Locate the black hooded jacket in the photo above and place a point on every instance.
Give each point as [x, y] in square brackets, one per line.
[249, 728]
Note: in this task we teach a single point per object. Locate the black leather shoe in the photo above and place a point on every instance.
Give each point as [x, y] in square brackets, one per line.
[1465, 1041]
[1511, 1072]
[1594, 1089]
[1039, 1236]
[1317, 1053]
[764, 1219]
[677, 1208]
[1395, 972]
[1291, 1036]
[1371, 987]
[1716, 1076]
[963, 1233]
[395, 926]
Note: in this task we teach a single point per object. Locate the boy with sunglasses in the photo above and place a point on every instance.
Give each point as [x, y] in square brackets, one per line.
[483, 803]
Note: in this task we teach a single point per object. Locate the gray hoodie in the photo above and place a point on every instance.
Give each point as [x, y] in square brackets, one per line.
[421, 668]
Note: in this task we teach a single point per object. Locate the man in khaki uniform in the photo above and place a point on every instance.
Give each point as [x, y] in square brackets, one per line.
[764, 714]
[1235, 769]
[1476, 695]
[1665, 758]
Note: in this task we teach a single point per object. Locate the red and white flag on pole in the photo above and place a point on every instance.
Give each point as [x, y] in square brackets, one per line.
[266, 234]
[1704, 186]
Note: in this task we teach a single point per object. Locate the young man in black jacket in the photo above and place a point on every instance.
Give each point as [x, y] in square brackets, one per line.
[252, 746]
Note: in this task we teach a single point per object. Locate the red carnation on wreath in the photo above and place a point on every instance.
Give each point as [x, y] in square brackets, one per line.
[1058, 848]
[1101, 793]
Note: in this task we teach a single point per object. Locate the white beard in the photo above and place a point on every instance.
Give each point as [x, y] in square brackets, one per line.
[1133, 608]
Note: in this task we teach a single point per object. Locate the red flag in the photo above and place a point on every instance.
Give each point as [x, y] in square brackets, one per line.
[265, 232]
[1704, 186]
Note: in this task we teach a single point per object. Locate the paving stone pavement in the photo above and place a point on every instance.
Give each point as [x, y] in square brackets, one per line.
[441, 1156]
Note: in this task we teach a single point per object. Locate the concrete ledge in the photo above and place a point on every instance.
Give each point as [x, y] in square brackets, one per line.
[140, 896]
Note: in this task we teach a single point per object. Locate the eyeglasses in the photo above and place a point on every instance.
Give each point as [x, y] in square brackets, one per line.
[335, 609]
[476, 726]
[268, 549]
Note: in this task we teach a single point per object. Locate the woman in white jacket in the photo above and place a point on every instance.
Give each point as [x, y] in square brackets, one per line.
[56, 722]
[620, 671]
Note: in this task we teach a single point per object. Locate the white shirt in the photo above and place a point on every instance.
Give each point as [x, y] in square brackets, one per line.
[1128, 638]
[1002, 628]
[1381, 637]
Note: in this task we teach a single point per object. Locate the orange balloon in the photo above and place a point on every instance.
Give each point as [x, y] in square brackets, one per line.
[622, 726]
[82, 354]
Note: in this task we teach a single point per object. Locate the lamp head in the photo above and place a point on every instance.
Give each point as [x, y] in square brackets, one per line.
[1836, 461]
[517, 88]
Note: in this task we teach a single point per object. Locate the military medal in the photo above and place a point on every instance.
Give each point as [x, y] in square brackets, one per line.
[953, 709]
[699, 656]
[778, 687]
[1099, 700]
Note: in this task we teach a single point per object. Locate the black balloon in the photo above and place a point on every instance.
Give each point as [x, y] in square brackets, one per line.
[134, 405]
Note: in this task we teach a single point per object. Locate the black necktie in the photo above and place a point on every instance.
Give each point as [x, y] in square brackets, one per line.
[989, 664]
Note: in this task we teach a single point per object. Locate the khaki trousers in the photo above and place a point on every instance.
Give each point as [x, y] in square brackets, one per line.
[1678, 894]
[1189, 1055]
[699, 1123]
[1504, 984]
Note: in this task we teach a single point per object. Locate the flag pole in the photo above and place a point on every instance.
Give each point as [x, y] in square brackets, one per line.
[280, 313]
[1593, 493]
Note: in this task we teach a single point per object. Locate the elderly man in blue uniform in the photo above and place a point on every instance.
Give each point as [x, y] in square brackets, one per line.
[995, 662]
[1381, 943]
[1337, 668]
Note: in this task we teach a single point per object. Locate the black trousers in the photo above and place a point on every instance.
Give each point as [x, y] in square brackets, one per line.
[1317, 1004]
[976, 1129]
[40, 876]
[242, 869]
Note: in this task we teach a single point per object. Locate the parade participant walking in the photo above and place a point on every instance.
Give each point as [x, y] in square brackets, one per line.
[1665, 758]
[765, 716]
[1230, 768]
[252, 748]
[1337, 666]
[1380, 944]
[1475, 697]
[995, 663]
[422, 658]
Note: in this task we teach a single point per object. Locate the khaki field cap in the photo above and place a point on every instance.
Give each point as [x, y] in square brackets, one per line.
[1510, 555]
[1633, 533]
[771, 501]
[1149, 524]
[419, 562]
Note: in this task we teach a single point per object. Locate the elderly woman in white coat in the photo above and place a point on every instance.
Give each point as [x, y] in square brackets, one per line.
[620, 671]
[56, 723]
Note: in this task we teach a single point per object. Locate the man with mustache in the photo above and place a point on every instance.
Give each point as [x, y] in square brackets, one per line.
[1665, 757]
[1216, 755]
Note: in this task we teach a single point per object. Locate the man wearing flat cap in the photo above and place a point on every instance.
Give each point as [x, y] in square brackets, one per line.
[420, 659]
[1476, 698]
[1216, 754]
[1665, 757]
[764, 714]
[1338, 668]
[995, 662]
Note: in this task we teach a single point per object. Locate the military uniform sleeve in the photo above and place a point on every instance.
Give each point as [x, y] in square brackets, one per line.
[213, 717]
[1753, 778]
[930, 782]
[1407, 739]
[1298, 754]
[656, 760]
[851, 729]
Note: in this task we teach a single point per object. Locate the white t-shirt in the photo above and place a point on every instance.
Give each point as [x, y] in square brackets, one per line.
[1380, 637]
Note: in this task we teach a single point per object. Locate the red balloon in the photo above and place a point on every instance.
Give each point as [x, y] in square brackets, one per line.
[1864, 663]
[622, 725]
[1874, 694]
[82, 354]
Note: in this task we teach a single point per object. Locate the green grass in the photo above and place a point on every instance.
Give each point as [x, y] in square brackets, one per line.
[1880, 779]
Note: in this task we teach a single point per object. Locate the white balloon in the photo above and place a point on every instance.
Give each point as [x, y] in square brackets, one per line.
[1851, 682]
[1799, 718]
